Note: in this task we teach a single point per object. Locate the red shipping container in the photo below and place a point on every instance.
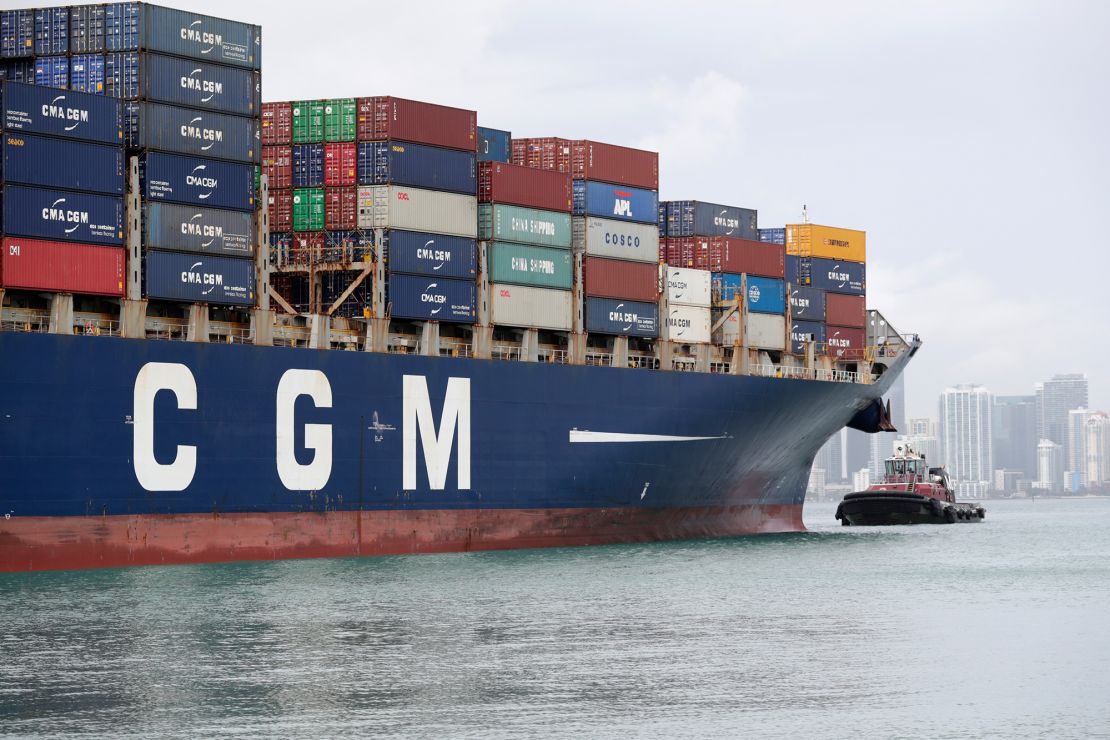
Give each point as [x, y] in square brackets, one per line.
[384, 117]
[307, 247]
[277, 164]
[547, 153]
[523, 186]
[281, 210]
[340, 165]
[62, 267]
[846, 310]
[277, 123]
[632, 281]
[621, 165]
[685, 251]
[728, 254]
[341, 209]
[845, 342]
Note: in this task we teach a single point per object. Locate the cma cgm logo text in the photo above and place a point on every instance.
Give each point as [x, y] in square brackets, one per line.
[195, 131]
[194, 34]
[200, 179]
[196, 227]
[419, 428]
[57, 211]
[798, 301]
[193, 82]
[725, 221]
[57, 109]
[622, 204]
[195, 276]
[436, 299]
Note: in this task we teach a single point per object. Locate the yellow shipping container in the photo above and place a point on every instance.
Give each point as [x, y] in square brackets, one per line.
[829, 242]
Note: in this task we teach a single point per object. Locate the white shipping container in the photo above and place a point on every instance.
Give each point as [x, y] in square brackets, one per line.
[530, 308]
[765, 330]
[415, 209]
[688, 324]
[687, 287]
[622, 240]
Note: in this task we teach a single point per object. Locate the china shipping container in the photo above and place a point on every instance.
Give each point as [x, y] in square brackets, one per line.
[512, 184]
[51, 31]
[415, 209]
[419, 253]
[281, 210]
[62, 215]
[277, 123]
[688, 324]
[340, 165]
[86, 29]
[622, 317]
[773, 236]
[188, 83]
[51, 162]
[417, 165]
[142, 27]
[540, 267]
[197, 181]
[308, 165]
[189, 229]
[432, 298]
[33, 264]
[807, 304]
[198, 278]
[383, 118]
[17, 33]
[698, 218]
[308, 121]
[614, 201]
[687, 287]
[846, 310]
[802, 331]
[634, 281]
[30, 109]
[833, 276]
[826, 242]
[340, 120]
[845, 342]
[524, 226]
[685, 251]
[530, 307]
[729, 254]
[87, 73]
[277, 164]
[203, 133]
[624, 240]
[494, 145]
[764, 330]
[340, 209]
[308, 209]
[52, 72]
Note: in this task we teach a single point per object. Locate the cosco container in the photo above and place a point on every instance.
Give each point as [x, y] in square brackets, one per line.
[308, 165]
[523, 186]
[62, 163]
[431, 254]
[845, 342]
[308, 209]
[614, 201]
[623, 240]
[62, 215]
[621, 317]
[826, 242]
[340, 165]
[540, 267]
[197, 181]
[834, 276]
[524, 226]
[140, 26]
[417, 165]
[530, 308]
[729, 254]
[807, 304]
[52, 72]
[432, 298]
[773, 236]
[382, 118]
[803, 331]
[190, 229]
[635, 281]
[203, 133]
[494, 145]
[340, 119]
[17, 33]
[51, 30]
[847, 310]
[277, 123]
[764, 330]
[414, 209]
[65, 267]
[86, 29]
[30, 109]
[688, 324]
[197, 84]
[698, 218]
[687, 287]
[198, 278]
[87, 73]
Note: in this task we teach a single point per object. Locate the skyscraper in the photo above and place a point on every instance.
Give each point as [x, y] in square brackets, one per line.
[1098, 451]
[965, 429]
[1055, 398]
[1015, 434]
[1050, 474]
[1076, 459]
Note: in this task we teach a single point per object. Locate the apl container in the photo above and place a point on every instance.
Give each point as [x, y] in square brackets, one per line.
[432, 298]
[624, 240]
[523, 226]
[197, 181]
[386, 118]
[62, 215]
[614, 201]
[140, 26]
[308, 165]
[65, 267]
[845, 343]
[31, 109]
[698, 218]
[340, 119]
[431, 254]
[417, 165]
[807, 304]
[197, 278]
[308, 209]
[687, 287]
[826, 242]
[540, 267]
[803, 331]
[86, 29]
[51, 31]
[728, 254]
[634, 281]
[530, 308]
[17, 33]
[512, 184]
[52, 72]
[414, 209]
[203, 133]
[189, 229]
[621, 317]
[195, 84]
[834, 276]
[494, 145]
[277, 123]
[688, 324]
[87, 73]
[847, 310]
[51, 162]
[773, 236]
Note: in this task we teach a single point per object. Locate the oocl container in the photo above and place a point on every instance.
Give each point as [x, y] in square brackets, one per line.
[524, 226]
[698, 218]
[803, 331]
[190, 229]
[845, 343]
[197, 84]
[197, 181]
[687, 287]
[729, 254]
[826, 242]
[308, 165]
[62, 215]
[415, 209]
[308, 209]
[634, 281]
[523, 186]
[417, 165]
[494, 145]
[431, 254]
[603, 237]
[381, 118]
[688, 324]
[33, 264]
[198, 278]
[541, 267]
[135, 26]
[807, 304]
[529, 307]
[203, 133]
[31, 109]
[432, 298]
[619, 202]
[62, 163]
[277, 123]
[622, 317]
[846, 310]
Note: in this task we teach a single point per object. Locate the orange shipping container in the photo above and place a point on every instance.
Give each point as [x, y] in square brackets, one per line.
[827, 242]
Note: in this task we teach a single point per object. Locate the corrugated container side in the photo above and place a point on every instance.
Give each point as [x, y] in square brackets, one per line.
[634, 281]
[773, 236]
[530, 308]
[197, 181]
[308, 121]
[766, 295]
[62, 215]
[614, 201]
[17, 33]
[602, 237]
[621, 165]
[688, 324]
[687, 287]
[197, 84]
[86, 73]
[431, 254]
[281, 210]
[200, 278]
[308, 165]
[765, 331]
[340, 120]
[494, 145]
[277, 164]
[807, 304]
[727, 254]
[341, 165]
[86, 29]
[52, 72]
[524, 226]
[800, 331]
[432, 298]
[699, 218]
[685, 251]
[621, 317]
[277, 123]
[205, 134]
[186, 34]
[341, 209]
[523, 186]
[17, 70]
[384, 117]
[31, 109]
[826, 242]
[51, 30]
[62, 163]
[545, 153]
[189, 229]
[846, 310]
[834, 276]
[417, 165]
[522, 264]
[308, 209]
[845, 343]
[32, 264]
[416, 209]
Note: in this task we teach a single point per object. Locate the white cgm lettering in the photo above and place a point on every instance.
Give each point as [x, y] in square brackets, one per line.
[317, 437]
[437, 446]
[152, 378]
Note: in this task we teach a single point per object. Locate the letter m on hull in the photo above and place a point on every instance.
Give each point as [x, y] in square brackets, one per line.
[417, 419]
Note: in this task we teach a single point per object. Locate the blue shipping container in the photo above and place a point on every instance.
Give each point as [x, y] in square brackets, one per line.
[801, 331]
[52, 72]
[615, 201]
[628, 318]
[62, 163]
[432, 298]
[766, 295]
[773, 236]
[833, 276]
[661, 218]
[86, 29]
[40, 110]
[308, 165]
[121, 75]
[807, 304]
[223, 281]
[698, 218]
[494, 145]
[418, 166]
[347, 246]
[17, 33]
[135, 26]
[196, 84]
[206, 134]
[431, 254]
[726, 285]
[86, 73]
[18, 70]
[52, 30]
[191, 229]
[196, 181]
[62, 215]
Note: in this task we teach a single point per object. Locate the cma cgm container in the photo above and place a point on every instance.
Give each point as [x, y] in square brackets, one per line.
[62, 215]
[826, 242]
[530, 308]
[847, 310]
[86, 29]
[619, 202]
[524, 226]
[17, 33]
[845, 342]
[62, 163]
[51, 30]
[30, 109]
[414, 209]
[773, 236]
[635, 281]
[494, 145]
[622, 317]
[802, 331]
[381, 118]
[807, 304]
[621, 165]
[540, 267]
[197, 181]
[420, 253]
[833, 276]
[417, 165]
[277, 123]
[623, 240]
[32, 264]
[698, 218]
[687, 287]
[87, 73]
[432, 298]
[203, 133]
[308, 165]
[729, 254]
[191, 83]
[52, 72]
[190, 229]
[512, 184]
[688, 324]
[139, 26]
[199, 278]
[763, 330]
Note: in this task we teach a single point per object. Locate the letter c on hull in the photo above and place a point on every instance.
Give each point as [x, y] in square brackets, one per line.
[179, 380]
[317, 437]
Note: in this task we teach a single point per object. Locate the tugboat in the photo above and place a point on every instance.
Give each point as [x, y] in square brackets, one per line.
[910, 493]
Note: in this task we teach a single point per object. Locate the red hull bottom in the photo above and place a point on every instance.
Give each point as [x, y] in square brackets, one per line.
[57, 543]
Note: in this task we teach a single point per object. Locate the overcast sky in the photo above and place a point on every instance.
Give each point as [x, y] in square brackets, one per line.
[969, 139]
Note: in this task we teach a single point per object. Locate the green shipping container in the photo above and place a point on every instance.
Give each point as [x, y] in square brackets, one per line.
[308, 121]
[340, 120]
[541, 267]
[308, 209]
[524, 226]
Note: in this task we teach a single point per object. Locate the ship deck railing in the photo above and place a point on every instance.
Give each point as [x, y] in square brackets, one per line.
[24, 320]
[552, 356]
[599, 359]
[288, 335]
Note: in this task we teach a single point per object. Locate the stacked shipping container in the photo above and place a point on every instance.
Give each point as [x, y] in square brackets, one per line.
[826, 268]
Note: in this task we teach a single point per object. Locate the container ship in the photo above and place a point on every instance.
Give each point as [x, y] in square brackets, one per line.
[237, 330]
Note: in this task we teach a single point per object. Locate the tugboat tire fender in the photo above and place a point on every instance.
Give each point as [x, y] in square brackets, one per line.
[950, 515]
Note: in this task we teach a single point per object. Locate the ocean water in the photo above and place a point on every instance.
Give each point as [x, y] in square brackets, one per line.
[994, 630]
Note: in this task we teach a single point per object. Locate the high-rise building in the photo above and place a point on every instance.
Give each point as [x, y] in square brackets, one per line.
[1014, 428]
[965, 430]
[1050, 469]
[922, 426]
[1098, 451]
[1075, 461]
[831, 458]
[861, 480]
[1055, 398]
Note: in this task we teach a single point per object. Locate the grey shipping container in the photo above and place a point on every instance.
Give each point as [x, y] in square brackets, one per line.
[197, 278]
[200, 85]
[416, 209]
[530, 308]
[189, 229]
[133, 26]
[204, 133]
[623, 240]
[698, 218]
